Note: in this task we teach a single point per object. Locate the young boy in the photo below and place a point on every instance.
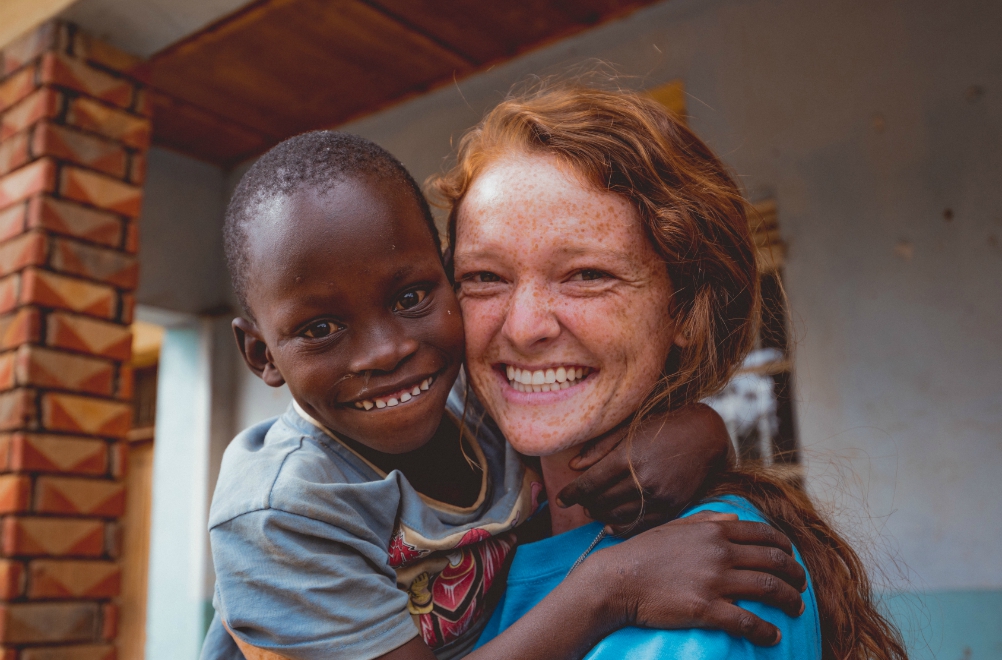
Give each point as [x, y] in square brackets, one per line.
[373, 517]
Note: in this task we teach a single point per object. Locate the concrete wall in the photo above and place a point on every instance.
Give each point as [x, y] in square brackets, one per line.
[877, 126]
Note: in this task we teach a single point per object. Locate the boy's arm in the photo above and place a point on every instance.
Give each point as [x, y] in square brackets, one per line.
[667, 577]
[672, 456]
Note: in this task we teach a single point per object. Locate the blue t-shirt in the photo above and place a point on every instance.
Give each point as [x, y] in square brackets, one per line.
[319, 554]
[539, 567]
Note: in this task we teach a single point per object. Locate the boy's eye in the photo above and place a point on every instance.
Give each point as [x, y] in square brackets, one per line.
[319, 330]
[409, 299]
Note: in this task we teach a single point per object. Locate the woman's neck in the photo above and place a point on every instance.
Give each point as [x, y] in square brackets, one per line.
[556, 475]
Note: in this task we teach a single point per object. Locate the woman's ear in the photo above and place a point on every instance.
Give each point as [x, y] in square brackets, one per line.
[680, 339]
[255, 352]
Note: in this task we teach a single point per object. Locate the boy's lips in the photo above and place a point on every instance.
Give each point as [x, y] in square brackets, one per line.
[395, 396]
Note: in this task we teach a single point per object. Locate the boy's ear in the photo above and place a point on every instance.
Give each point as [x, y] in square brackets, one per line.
[256, 353]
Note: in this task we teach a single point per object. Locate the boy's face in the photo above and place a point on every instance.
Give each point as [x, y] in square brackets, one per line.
[354, 311]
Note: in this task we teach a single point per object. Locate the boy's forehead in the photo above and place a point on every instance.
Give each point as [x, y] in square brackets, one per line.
[326, 228]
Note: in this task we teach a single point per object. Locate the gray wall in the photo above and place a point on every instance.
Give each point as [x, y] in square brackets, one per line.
[877, 126]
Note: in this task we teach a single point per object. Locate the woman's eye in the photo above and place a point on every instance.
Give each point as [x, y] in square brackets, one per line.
[409, 300]
[485, 276]
[319, 330]
[588, 274]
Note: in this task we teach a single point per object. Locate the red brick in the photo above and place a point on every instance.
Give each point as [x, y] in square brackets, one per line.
[70, 219]
[87, 335]
[10, 288]
[86, 415]
[11, 579]
[51, 290]
[15, 493]
[6, 440]
[48, 36]
[128, 308]
[20, 327]
[127, 128]
[125, 386]
[7, 372]
[16, 87]
[26, 536]
[81, 652]
[20, 184]
[137, 168]
[13, 152]
[108, 266]
[53, 578]
[41, 104]
[12, 220]
[24, 250]
[79, 496]
[143, 106]
[107, 56]
[113, 540]
[40, 623]
[44, 367]
[109, 621]
[119, 459]
[17, 410]
[81, 148]
[99, 190]
[62, 454]
[64, 71]
[132, 237]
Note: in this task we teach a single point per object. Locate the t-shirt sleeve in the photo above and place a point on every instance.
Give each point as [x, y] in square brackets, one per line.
[307, 589]
[801, 635]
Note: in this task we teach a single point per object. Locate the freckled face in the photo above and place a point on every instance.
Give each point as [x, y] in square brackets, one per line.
[565, 303]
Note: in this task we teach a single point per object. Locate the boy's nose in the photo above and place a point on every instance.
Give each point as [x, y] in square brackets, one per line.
[381, 348]
[530, 319]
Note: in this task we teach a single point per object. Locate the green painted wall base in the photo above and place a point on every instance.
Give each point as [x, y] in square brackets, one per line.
[949, 625]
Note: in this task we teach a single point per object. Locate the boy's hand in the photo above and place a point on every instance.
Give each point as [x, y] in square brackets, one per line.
[672, 455]
[689, 572]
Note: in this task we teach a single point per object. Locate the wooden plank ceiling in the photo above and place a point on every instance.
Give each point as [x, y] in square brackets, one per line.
[276, 68]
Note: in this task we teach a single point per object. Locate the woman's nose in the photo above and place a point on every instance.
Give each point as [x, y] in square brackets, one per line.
[381, 347]
[530, 319]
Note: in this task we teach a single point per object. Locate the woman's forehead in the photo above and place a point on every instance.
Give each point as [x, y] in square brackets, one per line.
[530, 199]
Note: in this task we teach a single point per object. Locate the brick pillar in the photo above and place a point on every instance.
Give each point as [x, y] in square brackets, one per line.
[74, 130]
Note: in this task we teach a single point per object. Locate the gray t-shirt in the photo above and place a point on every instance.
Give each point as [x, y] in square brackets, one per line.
[319, 554]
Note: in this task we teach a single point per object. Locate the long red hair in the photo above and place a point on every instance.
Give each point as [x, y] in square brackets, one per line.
[696, 218]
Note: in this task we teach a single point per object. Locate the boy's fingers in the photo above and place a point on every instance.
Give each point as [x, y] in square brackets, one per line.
[618, 493]
[740, 623]
[764, 588]
[756, 533]
[706, 516]
[595, 480]
[596, 450]
[770, 560]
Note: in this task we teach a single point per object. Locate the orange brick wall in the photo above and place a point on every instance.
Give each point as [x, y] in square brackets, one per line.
[74, 129]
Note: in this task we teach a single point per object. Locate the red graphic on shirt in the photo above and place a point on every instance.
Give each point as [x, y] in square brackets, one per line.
[402, 552]
[458, 592]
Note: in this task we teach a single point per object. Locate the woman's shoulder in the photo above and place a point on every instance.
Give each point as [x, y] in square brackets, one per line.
[735, 504]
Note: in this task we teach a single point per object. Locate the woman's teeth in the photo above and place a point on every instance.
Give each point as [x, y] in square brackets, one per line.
[545, 380]
[395, 399]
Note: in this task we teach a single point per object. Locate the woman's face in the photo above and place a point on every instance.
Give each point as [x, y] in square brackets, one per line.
[565, 303]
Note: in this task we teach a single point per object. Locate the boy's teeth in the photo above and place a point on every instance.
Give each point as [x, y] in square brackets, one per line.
[389, 402]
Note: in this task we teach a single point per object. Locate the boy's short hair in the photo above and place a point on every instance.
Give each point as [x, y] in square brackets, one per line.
[317, 159]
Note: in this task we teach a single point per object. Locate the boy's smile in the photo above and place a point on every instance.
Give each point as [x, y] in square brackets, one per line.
[354, 311]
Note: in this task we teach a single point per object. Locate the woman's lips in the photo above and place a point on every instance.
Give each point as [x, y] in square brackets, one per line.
[396, 398]
[550, 379]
